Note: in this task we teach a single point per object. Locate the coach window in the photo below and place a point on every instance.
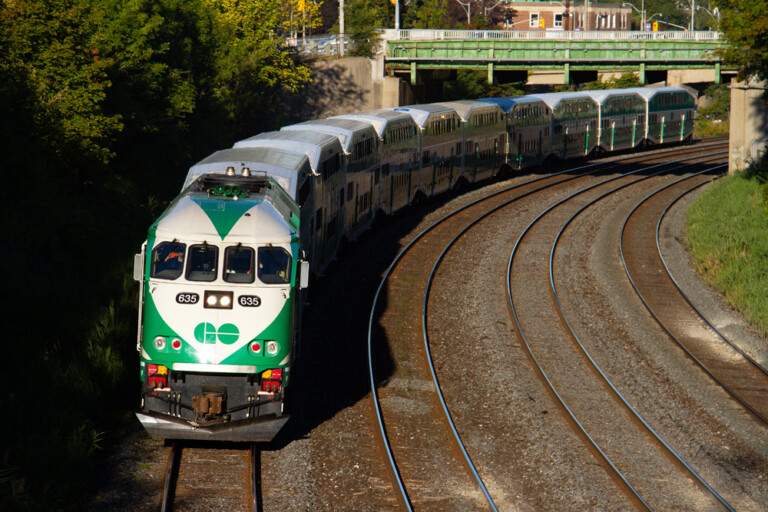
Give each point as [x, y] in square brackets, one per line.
[168, 260]
[201, 264]
[274, 265]
[238, 264]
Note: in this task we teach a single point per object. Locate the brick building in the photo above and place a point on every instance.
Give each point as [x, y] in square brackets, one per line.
[567, 15]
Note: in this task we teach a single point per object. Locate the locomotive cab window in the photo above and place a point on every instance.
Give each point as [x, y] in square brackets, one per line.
[238, 264]
[201, 264]
[168, 260]
[274, 265]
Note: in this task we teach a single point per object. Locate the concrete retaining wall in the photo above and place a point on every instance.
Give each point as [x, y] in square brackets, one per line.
[749, 125]
[341, 86]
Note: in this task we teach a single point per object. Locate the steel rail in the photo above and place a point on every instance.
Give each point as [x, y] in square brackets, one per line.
[171, 477]
[685, 295]
[255, 504]
[586, 352]
[529, 349]
[399, 484]
[690, 354]
[425, 332]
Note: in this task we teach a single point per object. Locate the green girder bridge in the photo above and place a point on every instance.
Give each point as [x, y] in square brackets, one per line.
[411, 51]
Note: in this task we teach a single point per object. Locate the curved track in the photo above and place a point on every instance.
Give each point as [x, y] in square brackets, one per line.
[410, 477]
[604, 417]
[737, 373]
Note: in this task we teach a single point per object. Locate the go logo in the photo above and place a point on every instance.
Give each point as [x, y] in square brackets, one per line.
[207, 333]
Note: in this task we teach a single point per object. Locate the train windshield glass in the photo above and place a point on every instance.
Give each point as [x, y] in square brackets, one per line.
[238, 264]
[201, 264]
[168, 260]
[274, 265]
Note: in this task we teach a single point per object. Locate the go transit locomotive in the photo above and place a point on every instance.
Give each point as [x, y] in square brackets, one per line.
[223, 269]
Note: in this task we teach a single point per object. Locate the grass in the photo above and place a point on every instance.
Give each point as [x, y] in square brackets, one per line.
[727, 230]
[704, 128]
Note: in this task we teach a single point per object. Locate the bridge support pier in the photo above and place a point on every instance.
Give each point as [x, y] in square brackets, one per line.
[567, 73]
[414, 75]
[641, 74]
[490, 73]
[718, 78]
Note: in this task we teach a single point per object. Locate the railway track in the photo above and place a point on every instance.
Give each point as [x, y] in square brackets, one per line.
[202, 478]
[603, 416]
[415, 365]
[724, 361]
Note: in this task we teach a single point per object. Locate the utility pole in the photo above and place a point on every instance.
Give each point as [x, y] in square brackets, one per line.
[340, 42]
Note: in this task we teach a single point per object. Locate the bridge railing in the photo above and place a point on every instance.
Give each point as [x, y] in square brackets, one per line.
[532, 35]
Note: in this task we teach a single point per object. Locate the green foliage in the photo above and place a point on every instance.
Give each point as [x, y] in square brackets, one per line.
[625, 81]
[745, 25]
[714, 119]
[104, 104]
[362, 18]
[470, 84]
[704, 128]
[432, 14]
[727, 229]
[47, 52]
[720, 106]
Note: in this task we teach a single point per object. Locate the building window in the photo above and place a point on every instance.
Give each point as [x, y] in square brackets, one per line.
[534, 21]
[558, 20]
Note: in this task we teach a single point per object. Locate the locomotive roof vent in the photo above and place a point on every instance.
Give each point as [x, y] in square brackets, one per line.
[231, 186]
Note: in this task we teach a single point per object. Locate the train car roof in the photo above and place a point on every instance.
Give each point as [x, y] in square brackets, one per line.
[508, 103]
[649, 92]
[553, 99]
[343, 129]
[601, 96]
[308, 142]
[378, 118]
[283, 166]
[422, 113]
[465, 107]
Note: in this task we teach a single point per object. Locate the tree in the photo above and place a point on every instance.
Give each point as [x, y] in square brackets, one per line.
[300, 16]
[427, 14]
[481, 14]
[104, 102]
[745, 25]
[624, 81]
[362, 19]
[472, 84]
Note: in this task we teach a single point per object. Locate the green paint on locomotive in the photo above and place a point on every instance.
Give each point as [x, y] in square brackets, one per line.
[279, 330]
[224, 214]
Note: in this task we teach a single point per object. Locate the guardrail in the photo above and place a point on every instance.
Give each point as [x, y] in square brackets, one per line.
[320, 46]
[533, 35]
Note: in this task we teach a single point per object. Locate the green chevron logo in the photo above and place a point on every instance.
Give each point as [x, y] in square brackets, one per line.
[206, 333]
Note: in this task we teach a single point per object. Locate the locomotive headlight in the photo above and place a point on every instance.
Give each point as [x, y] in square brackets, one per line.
[160, 342]
[218, 300]
[272, 347]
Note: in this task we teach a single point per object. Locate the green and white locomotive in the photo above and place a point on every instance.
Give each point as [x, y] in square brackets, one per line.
[220, 280]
